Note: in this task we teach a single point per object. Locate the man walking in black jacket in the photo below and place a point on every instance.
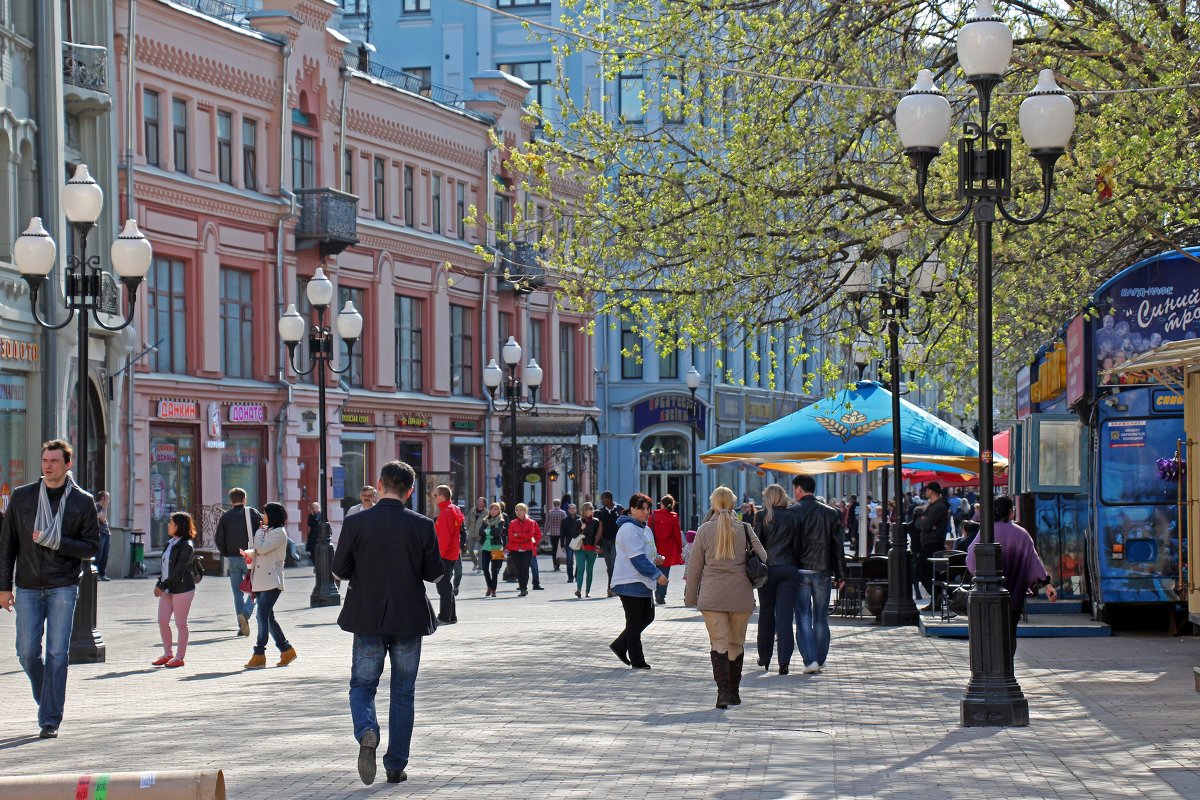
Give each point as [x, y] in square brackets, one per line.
[931, 529]
[235, 533]
[820, 555]
[50, 530]
[607, 540]
[387, 552]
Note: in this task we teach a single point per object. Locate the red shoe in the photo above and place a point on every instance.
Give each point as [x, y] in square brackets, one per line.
[159, 662]
[175, 662]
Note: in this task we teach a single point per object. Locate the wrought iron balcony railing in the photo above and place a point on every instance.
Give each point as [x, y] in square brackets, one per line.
[521, 267]
[85, 66]
[328, 218]
[405, 80]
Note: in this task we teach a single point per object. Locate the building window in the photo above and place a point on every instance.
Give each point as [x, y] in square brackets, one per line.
[516, 3]
[673, 96]
[668, 365]
[566, 363]
[172, 463]
[225, 147]
[461, 323]
[460, 210]
[538, 74]
[630, 89]
[416, 6]
[304, 165]
[420, 80]
[151, 114]
[380, 199]
[356, 466]
[535, 352]
[250, 154]
[502, 215]
[631, 351]
[409, 321]
[463, 472]
[355, 376]
[506, 326]
[168, 317]
[179, 138]
[348, 171]
[237, 324]
[437, 203]
[409, 216]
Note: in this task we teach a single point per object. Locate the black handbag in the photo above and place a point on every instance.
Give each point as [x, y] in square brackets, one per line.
[756, 570]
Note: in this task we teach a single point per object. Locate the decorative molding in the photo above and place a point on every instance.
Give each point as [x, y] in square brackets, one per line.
[392, 132]
[200, 70]
[185, 198]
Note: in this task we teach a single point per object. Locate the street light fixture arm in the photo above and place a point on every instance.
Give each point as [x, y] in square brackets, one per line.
[35, 285]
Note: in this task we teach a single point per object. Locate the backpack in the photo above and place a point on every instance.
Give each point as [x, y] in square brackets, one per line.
[197, 569]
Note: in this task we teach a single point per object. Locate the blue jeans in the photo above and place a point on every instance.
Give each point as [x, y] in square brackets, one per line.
[812, 616]
[49, 611]
[776, 605]
[369, 655]
[660, 592]
[537, 579]
[102, 555]
[268, 624]
[242, 603]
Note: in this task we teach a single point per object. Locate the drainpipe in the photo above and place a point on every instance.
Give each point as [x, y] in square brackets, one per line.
[47, 73]
[285, 129]
[130, 122]
[345, 76]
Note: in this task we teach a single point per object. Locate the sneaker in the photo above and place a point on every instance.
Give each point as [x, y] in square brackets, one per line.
[287, 657]
[161, 662]
[243, 625]
[809, 669]
[366, 756]
[174, 662]
[538, 588]
[48, 732]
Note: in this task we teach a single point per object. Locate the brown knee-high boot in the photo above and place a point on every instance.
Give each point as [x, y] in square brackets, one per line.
[720, 665]
[735, 679]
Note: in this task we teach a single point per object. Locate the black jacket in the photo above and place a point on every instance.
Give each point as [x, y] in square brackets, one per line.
[179, 571]
[818, 539]
[778, 538]
[570, 528]
[386, 553]
[497, 526]
[231, 530]
[608, 527]
[38, 567]
[932, 527]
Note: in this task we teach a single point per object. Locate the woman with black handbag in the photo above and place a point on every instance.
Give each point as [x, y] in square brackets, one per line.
[176, 588]
[718, 584]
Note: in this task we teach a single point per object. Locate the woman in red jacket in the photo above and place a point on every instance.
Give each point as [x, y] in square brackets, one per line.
[523, 538]
[668, 540]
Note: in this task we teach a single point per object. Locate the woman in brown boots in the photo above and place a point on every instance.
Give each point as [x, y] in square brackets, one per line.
[266, 580]
[717, 574]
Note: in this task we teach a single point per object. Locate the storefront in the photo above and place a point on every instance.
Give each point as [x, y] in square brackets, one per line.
[17, 358]
[244, 453]
[358, 436]
[174, 463]
[412, 445]
[466, 448]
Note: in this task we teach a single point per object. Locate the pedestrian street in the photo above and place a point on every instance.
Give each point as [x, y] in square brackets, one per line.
[522, 699]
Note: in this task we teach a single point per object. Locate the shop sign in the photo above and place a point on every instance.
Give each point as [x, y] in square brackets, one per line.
[785, 406]
[1024, 392]
[5, 497]
[413, 419]
[17, 350]
[247, 412]
[164, 453]
[729, 407]
[464, 424]
[12, 392]
[214, 440]
[178, 409]
[356, 417]
[666, 408]
[1076, 374]
[759, 410]
[1127, 433]
[1168, 401]
[158, 495]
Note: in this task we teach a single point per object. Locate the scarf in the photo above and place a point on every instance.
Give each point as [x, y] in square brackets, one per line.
[621, 520]
[48, 523]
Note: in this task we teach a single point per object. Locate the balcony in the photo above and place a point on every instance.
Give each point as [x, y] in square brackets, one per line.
[520, 267]
[407, 81]
[328, 220]
[85, 78]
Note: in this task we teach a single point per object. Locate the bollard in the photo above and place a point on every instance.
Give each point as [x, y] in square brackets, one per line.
[207, 784]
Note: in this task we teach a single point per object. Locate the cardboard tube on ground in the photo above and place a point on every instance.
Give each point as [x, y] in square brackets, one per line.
[206, 784]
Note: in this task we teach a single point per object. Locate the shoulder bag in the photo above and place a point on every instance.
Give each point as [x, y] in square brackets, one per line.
[247, 586]
[756, 570]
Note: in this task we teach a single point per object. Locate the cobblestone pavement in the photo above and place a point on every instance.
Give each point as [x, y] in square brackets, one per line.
[523, 699]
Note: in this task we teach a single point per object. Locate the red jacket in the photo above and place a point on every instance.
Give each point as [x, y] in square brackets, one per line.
[523, 534]
[668, 537]
[449, 529]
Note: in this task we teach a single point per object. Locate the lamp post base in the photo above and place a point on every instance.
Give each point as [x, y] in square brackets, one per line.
[993, 697]
[325, 592]
[900, 608]
[86, 645]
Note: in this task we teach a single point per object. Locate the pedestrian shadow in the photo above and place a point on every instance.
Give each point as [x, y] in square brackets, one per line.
[124, 674]
[17, 741]
[683, 717]
[208, 676]
[315, 624]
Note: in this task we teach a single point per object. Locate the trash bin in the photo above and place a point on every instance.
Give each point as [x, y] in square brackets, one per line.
[137, 554]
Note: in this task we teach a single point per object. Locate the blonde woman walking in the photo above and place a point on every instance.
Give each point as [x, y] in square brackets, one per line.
[717, 585]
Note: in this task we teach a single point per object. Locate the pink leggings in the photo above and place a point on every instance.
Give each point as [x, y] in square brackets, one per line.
[179, 605]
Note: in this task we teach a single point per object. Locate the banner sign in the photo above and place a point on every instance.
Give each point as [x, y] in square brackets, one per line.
[178, 409]
[247, 412]
[669, 408]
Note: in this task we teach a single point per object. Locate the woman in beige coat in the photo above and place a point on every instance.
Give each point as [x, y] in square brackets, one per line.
[266, 581]
[718, 586]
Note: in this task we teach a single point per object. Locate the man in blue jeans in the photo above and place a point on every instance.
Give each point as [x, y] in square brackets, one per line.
[235, 533]
[819, 553]
[50, 530]
[387, 552]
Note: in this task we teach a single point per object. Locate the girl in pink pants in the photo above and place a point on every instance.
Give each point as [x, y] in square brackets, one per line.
[176, 587]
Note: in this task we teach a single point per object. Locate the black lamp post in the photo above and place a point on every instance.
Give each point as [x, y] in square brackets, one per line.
[894, 295]
[320, 348]
[693, 383]
[493, 376]
[1047, 118]
[90, 292]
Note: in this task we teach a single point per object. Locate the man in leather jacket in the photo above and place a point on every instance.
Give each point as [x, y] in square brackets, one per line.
[819, 552]
[47, 577]
[931, 534]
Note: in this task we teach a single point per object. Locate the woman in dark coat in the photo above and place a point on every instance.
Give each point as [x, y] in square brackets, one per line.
[175, 588]
[777, 597]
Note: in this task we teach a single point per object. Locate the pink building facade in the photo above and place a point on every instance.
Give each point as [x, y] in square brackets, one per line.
[260, 153]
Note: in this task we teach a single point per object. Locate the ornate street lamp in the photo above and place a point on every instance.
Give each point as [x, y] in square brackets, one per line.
[493, 376]
[693, 378]
[320, 348]
[90, 292]
[1047, 118]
